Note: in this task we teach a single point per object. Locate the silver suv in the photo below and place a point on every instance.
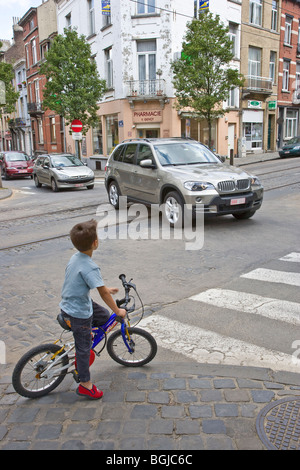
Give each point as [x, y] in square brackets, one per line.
[178, 172]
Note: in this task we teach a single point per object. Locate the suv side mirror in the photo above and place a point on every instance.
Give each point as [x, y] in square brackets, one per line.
[147, 163]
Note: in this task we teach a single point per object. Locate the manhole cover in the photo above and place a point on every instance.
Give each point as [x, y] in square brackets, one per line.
[278, 424]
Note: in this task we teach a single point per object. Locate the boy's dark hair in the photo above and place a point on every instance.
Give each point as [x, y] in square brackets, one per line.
[84, 234]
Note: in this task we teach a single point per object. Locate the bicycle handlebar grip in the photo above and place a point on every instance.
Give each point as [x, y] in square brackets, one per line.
[123, 278]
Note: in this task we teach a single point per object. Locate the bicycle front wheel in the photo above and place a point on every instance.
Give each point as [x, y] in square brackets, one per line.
[33, 377]
[143, 347]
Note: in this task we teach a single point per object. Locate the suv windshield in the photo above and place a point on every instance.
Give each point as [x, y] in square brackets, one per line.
[185, 153]
[16, 157]
[65, 160]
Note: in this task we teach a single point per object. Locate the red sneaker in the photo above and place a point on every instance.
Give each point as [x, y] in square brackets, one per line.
[93, 394]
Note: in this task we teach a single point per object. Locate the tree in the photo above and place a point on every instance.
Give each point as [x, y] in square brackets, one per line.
[202, 76]
[73, 88]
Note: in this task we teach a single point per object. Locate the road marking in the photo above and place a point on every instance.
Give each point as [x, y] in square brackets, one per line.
[207, 346]
[269, 275]
[279, 310]
[293, 257]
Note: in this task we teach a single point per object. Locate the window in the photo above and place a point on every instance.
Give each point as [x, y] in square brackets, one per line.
[112, 132]
[97, 139]
[147, 66]
[233, 34]
[68, 21]
[146, 6]
[144, 153]
[52, 129]
[288, 30]
[37, 91]
[33, 51]
[291, 123]
[109, 68]
[254, 62]
[255, 16]
[274, 18]
[91, 17]
[285, 77]
[232, 99]
[40, 132]
[272, 73]
[253, 132]
[298, 76]
[129, 153]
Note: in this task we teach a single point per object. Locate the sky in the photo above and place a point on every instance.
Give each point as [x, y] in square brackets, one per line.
[10, 9]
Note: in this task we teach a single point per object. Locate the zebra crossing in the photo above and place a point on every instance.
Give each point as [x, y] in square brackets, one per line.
[203, 345]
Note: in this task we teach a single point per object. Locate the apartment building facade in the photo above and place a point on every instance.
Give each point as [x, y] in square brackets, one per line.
[39, 27]
[260, 41]
[289, 72]
[134, 44]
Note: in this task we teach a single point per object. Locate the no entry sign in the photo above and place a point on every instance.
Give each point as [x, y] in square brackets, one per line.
[76, 125]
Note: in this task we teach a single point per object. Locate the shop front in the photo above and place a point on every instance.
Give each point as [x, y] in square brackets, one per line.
[253, 121]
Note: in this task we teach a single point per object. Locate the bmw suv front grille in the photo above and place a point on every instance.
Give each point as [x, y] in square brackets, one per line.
[232, 185]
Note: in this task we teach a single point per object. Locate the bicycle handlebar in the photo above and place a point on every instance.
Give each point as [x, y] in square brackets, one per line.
[127, 286]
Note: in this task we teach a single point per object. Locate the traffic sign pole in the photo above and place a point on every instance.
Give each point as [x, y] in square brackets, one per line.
[76, 126]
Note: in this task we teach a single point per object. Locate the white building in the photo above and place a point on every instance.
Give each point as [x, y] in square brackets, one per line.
[134, 45]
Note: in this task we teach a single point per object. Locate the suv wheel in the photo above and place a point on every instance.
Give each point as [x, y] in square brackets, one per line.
[173, 209]
[114, 194]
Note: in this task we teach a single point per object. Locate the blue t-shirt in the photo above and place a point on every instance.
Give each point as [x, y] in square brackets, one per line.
[82, 274]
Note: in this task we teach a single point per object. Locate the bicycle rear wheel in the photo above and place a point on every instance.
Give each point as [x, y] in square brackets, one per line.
[26, 378]
[143, 345]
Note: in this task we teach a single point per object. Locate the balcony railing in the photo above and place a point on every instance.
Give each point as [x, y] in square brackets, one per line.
[258, 84]
[35, 108]
[146, 88]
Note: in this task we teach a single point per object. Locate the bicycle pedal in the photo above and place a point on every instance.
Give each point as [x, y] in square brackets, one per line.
[76, 376]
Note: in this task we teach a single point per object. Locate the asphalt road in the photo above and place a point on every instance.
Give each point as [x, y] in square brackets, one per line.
[254, 322]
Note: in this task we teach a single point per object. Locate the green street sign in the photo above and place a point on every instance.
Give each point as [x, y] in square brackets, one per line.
[272, 104]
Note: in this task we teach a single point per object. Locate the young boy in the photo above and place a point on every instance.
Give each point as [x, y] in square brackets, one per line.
[82, 274]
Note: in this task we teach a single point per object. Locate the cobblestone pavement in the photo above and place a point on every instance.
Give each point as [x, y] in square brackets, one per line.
[161, 406]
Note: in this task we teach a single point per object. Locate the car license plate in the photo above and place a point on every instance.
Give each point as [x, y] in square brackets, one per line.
[287, 151]
[22, 171]
[78, 185]
[235, 202]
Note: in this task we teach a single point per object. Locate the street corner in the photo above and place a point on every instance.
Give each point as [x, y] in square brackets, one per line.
[5, 193]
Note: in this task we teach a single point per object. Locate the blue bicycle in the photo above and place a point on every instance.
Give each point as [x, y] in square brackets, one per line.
[44, 367]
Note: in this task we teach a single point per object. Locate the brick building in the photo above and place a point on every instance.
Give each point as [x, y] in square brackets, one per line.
[39, 27]
[289, 72]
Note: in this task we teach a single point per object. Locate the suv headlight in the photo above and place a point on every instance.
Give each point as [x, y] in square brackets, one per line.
[198, 185]
[255, 181]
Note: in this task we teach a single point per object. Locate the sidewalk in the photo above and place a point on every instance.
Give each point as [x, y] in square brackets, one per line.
[159, 407]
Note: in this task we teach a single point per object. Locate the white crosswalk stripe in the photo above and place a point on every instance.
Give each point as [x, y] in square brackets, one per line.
[207, 346]
[280, 310]
[293, 257]
[269, 275]
[204, 345]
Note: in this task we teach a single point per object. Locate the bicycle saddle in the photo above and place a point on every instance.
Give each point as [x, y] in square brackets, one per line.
[65, 324]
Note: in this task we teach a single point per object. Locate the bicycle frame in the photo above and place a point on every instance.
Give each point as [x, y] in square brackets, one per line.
[98, 335]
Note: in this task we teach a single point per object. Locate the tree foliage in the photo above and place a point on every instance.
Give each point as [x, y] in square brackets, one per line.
[202, 76]
[7, 76]
[74, 88]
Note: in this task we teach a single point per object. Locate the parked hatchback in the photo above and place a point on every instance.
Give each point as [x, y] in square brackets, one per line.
[62, 171]
[291, 148]
[15, 164]
[176, 172]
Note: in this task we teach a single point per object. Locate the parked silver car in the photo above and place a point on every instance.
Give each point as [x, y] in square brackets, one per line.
[175, 172]
[62, 171]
